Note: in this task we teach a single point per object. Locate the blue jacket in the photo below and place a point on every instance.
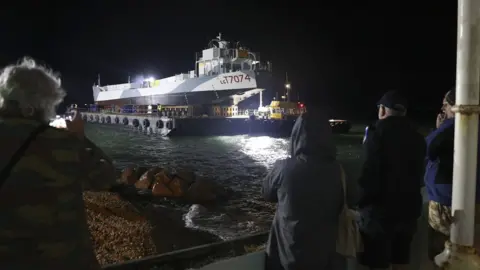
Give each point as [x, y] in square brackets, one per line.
[439, 171]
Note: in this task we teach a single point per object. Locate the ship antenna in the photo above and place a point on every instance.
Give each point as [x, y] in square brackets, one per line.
[98, 79]
[219, 36]
[287, 87]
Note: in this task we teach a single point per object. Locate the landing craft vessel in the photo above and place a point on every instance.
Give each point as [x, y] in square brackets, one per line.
[213, 99]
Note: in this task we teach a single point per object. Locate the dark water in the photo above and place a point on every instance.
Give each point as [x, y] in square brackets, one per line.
[239, 162]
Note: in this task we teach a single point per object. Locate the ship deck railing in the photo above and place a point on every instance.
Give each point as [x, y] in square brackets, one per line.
[122, 111]
[154, 112]
[177, 117]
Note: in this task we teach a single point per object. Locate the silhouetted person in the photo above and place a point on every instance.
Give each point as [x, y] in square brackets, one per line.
[308, 189]
[439, 178]
[43, 173]
[391, 180]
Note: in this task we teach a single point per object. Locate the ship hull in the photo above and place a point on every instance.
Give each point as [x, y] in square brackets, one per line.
[230, 127]
[173, 99]
[192, 91]
[175, 127]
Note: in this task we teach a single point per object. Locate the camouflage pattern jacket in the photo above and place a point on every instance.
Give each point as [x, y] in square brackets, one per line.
[43, 222]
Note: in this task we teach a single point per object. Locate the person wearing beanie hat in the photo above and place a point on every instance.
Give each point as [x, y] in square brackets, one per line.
[391, 181]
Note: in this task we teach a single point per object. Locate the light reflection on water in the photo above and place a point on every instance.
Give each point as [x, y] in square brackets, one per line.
[265, 150]
[239, 162]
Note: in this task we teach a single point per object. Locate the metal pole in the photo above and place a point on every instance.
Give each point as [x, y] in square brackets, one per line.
[196, 65]
[287, 88]
[466, 123]
[459, 254]
[261, 98]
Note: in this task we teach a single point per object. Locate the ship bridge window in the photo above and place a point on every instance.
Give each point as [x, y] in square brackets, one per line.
[236, 67]
[277, 110]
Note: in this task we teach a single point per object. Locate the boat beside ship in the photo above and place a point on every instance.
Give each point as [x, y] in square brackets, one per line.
[213, 99]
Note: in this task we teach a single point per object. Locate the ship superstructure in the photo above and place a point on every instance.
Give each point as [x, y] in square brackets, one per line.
[224, 72]
[204, 101]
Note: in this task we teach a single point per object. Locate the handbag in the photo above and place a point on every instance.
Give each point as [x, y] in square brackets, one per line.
[348, 239]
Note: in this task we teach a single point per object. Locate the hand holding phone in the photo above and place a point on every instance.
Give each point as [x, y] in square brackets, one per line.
[58, 123]
[440, 118]
[76, 124]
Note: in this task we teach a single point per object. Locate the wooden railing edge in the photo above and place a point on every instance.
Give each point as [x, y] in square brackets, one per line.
[181, 259]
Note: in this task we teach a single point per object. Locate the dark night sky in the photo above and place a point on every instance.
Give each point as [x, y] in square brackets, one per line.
[344, 55]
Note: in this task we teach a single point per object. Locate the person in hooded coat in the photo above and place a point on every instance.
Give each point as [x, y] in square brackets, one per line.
[308, 189]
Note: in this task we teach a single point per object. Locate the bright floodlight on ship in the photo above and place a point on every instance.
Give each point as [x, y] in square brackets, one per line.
[287, 85]
[151, 79]
[262, 109]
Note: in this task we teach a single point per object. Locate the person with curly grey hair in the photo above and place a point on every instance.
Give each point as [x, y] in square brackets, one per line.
[43, 171]
[29, 90]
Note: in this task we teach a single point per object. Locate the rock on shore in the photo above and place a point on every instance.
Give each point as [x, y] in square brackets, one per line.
[120, 232]
[182, 185]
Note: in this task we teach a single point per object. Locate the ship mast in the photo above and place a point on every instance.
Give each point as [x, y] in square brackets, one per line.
[222, 44]
[287, 87]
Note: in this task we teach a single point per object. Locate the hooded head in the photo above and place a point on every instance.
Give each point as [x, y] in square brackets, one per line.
[312, 137]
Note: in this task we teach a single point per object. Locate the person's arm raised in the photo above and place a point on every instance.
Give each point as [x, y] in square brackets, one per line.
[96, 165]
[100, 172]
[273, 181]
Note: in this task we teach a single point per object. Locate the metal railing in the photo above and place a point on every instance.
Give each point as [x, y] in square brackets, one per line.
[191, 257]
[132, 110]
